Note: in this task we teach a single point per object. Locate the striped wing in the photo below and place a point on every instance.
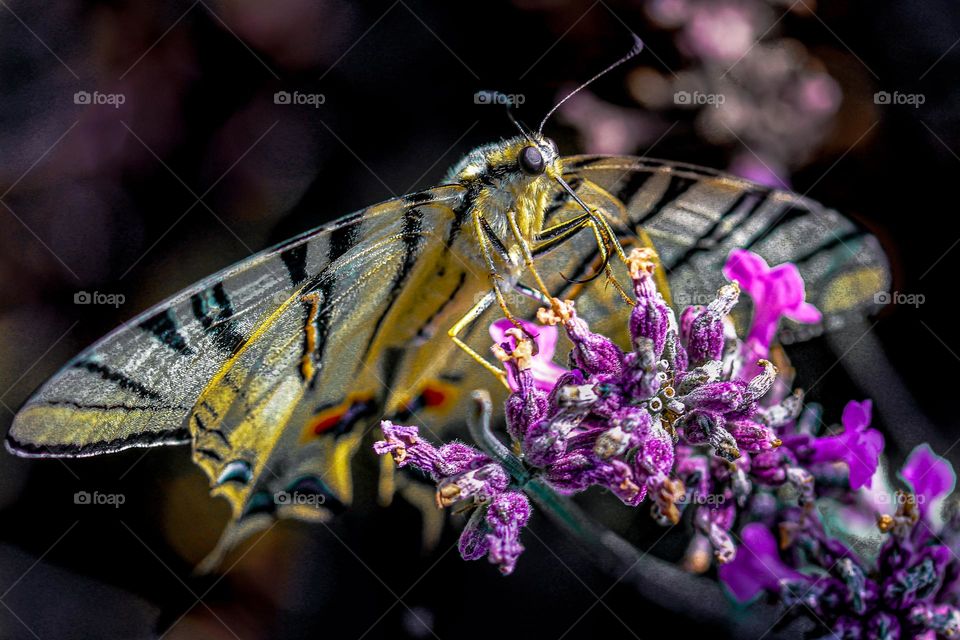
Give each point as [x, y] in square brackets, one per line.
[280, 340]
[696, 216]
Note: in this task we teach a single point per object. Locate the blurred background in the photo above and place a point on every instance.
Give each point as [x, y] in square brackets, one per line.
[144, 145]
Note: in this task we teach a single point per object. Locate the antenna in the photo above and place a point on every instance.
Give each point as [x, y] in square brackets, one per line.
[637, 48]
[519, 125]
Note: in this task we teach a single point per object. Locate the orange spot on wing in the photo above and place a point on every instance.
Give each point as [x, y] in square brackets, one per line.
[307, 367]
[332, 417]
[326, 423]
[434, 397]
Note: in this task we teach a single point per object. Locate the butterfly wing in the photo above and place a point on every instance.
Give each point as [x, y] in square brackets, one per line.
[279, 339]
[695, 216]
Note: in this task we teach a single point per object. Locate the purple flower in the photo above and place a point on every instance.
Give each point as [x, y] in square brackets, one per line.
[907, 590]
[928, 475]
[702, 329]
[757, 567]
[683, 417]
[494, 531]
[406, 447]
[721, 414]
[592, 353]
[776, 292]
[651, 318]
[460, 471]
[506, 516]
[581, 469]
[465, 475]
[858, 446]
[544, 370]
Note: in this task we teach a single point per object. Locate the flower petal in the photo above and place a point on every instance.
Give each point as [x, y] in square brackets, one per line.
[929, 476]
[545, 370]
[757, 566]
[506, 516]
[857, 415]
[747, 268]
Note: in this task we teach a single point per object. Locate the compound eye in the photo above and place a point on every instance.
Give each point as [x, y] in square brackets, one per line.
[531, 161]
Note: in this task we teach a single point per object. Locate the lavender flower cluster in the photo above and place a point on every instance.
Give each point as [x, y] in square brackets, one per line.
[692, 418]
[907, 591]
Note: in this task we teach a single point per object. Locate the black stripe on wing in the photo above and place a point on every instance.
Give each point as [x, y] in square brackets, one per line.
[120, 379]
[676, 187]
[213, 309]
[832, 243]
[412, 240]
[710, 239]
[342, 239]
[295, 260]
[166, 329]
[792, 213]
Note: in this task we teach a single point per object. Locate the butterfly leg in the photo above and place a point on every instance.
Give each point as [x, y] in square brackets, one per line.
[527, 254]
[598, 223]
[606, 238]
[554, 236]
[469, 318]
[489, 241]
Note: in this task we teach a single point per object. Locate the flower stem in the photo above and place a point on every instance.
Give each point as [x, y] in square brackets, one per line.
[478, 422]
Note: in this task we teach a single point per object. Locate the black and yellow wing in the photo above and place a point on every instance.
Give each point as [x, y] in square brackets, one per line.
[271, 368]
[696, 216]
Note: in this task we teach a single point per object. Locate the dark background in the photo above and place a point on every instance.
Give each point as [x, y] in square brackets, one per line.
[97, 198]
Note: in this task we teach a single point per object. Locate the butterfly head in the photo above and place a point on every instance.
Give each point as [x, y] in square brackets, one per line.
[510, 164]
[538, 156]
[516, 175]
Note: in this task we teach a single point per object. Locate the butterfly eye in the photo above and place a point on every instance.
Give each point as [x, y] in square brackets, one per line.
[531, 161]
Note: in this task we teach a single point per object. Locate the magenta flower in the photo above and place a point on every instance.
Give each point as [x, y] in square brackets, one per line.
[928, 475]
[858, 446]
[467, 477]
[545, 371]
[757, 567]
[776, 292]
[906, 589]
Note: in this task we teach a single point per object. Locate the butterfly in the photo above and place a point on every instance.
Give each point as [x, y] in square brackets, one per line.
[275, 370]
